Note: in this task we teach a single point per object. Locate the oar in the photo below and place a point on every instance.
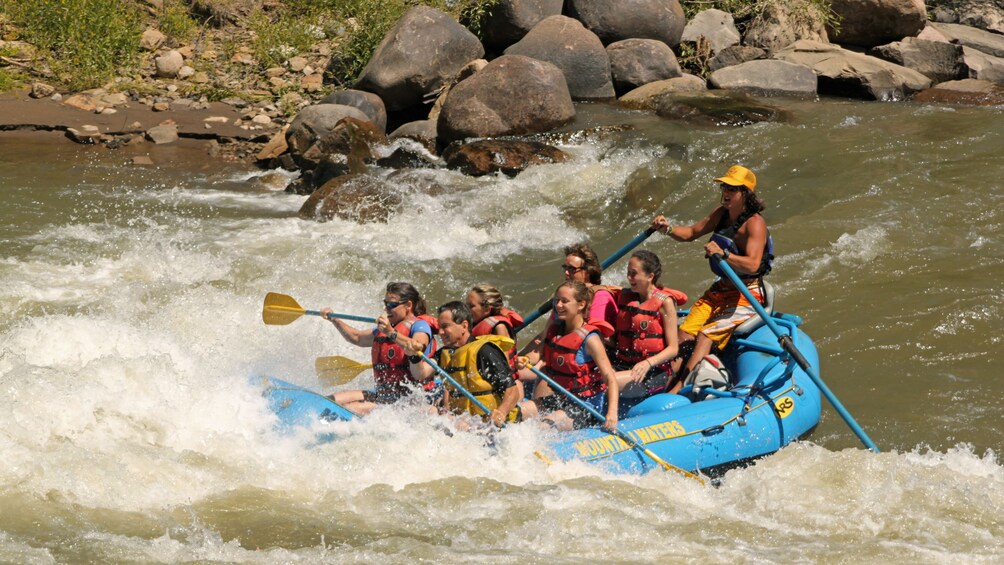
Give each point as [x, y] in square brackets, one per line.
[546, 307]
[337, 370]
[788, 345]
[481, 406]
[280, 310]
[617, 431]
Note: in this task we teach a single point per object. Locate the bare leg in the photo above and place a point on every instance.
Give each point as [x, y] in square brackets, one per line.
[353, 401]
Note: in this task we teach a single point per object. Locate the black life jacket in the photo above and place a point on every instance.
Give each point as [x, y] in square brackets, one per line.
[723, 236]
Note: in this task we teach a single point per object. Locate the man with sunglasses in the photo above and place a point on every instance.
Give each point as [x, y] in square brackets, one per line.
[740, 235]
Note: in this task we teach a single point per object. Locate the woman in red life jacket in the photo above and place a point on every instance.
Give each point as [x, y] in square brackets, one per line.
[646, 337]
[403, 329]
[492, 317]
[573, 354]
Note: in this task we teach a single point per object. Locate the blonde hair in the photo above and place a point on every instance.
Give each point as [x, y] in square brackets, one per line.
[490, 297]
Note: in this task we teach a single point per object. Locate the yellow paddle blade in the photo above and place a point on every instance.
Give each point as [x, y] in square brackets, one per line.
[280, 309]
[335, 371]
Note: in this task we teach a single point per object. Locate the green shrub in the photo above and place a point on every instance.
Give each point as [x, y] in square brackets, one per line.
[282, 35]
[176, 22]
[87, 39]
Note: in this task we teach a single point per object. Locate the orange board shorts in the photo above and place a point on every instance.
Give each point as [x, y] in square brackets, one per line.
[717, 313]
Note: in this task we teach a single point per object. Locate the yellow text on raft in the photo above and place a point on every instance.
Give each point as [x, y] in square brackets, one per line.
[609, 444]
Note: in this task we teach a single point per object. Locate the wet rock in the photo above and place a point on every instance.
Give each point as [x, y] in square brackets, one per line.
[422, 131]
[513, 95]
[510, 20]
[642, 19]
[767, 78]
[868, 23]
[142, 161]
[423, 50]
[845, 73]
[498, 155]
[359, 198]
[407, 158]
[716, 109]
[644, 97]
[936, 60]
[578, 52]
[352, 138]
[716, 26]
[369, 103]
[966, 91]
[312, 122]
[85, 135]
[783, 23]
[634, 62]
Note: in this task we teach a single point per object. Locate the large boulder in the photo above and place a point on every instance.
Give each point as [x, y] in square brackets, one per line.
[715, 26]
[575, 50]
[735, 55]
[356, 197]
[845, 73]
[936, 60]
[312, 122]
[967, 91]
[351, 137]
[868, 23]
[510, 20]
[989, 43]
[983, 66]
[370, 104]
[782, 23]
[644, 97]
[508, 156]
[634, 62]
[767, 78]
[983, 14]
[513, 95]
[424, 50]
[626, 19]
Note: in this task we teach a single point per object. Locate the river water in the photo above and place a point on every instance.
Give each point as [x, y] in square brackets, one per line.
[130, 322]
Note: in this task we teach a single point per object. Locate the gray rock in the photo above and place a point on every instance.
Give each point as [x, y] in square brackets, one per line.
[735, 55]
[169, 64]
[716, 26]
[643, 97]
[314, 121]
[626, 19]
[85, 135]
[634, 62]
[422, 131]
[982, 14]
[164, 133]
[513, 95]
[356, 197]
[845, 73]
[783, 23]
[983, 66]
[369, 103]
[424, 50]
[868, 23]
[41, 90]
[936, 60]
[989, 43]
[510, 20]
[575, 50]
[767, 78]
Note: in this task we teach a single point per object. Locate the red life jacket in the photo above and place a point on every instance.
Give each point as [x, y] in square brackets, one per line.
[640, 333]
[390, 360]
[582, 380]
[487, 326]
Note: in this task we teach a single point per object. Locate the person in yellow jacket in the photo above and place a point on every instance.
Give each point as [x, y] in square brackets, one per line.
[478, 364]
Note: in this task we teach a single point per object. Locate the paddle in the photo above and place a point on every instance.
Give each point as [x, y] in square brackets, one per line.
[280, 310]
[789, 346]
[546, 307]
[337, 370]
[617, 432]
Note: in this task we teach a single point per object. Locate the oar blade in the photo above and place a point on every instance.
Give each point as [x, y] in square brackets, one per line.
[336, 371]
[280, 309]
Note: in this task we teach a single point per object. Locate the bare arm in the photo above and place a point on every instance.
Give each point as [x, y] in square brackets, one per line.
[691, 232]
[509, 400]
[362, 338]
[594, 346]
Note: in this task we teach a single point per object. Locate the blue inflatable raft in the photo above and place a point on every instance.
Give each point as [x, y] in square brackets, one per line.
[771, 403]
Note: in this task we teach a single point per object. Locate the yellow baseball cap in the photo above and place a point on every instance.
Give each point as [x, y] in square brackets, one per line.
[739, 176]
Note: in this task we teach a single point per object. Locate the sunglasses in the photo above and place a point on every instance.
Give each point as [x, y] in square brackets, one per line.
[730, 188]
[389, 305]
[571, 269]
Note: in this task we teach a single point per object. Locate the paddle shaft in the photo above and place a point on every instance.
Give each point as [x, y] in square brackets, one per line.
[788, 345]
[481, 406]
[616, 431]
[341, 316]
[546, 307]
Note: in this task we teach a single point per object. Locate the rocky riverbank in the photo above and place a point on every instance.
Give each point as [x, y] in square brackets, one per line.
[485, 105]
